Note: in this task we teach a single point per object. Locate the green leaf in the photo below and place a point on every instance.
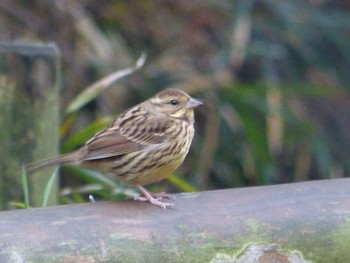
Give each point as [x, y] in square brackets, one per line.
[92, 176]
[24, 181]
[18, 204]
[48, 188]
[84, 134]
[91, 92]
[181, 183]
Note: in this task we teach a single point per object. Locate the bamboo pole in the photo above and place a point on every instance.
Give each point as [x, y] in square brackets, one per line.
[29, 122]
[300, 222]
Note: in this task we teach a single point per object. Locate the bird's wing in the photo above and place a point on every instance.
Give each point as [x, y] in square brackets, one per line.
[133, 136]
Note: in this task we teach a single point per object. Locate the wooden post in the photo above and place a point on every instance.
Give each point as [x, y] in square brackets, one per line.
[29, 84]
[301, 222]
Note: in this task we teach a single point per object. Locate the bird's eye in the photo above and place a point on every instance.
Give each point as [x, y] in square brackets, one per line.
[174, 102]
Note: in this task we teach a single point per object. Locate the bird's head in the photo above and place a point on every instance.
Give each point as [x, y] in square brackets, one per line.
[175, 103]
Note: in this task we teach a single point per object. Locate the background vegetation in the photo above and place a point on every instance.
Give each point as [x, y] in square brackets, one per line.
[274, 75]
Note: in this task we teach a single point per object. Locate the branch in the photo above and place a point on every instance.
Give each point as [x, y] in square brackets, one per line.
[292, 223]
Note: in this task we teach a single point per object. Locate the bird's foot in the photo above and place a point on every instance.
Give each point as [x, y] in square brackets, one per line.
[153, 198]
[162, 195]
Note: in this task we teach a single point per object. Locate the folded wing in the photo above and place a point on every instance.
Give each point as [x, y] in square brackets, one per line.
[133, 136]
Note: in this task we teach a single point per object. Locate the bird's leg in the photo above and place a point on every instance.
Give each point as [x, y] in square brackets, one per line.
[152, 198]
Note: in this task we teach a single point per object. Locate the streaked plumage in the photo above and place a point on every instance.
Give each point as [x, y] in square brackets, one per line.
[143, 145]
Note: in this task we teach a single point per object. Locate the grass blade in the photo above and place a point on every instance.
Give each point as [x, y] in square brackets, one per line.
[48, 188]
[181, 183]
[91, 92]
[24, 181]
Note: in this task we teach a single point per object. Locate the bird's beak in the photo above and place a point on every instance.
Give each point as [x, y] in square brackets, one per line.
[192, 103]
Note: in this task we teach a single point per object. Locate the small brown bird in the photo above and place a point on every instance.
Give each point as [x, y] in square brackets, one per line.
[142, 146]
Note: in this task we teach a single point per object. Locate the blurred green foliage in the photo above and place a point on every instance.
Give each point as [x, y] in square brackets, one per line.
[274, 75]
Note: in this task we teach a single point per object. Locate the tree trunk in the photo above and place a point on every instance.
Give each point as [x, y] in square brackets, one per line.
[299, 222]
[29, 83]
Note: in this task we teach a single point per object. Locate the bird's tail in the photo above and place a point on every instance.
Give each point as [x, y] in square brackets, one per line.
[64, 158]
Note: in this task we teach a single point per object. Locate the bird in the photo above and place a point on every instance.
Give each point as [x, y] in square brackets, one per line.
[142, 146]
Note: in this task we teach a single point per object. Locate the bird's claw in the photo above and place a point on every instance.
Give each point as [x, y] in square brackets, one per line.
[161, 195]
[154, 200]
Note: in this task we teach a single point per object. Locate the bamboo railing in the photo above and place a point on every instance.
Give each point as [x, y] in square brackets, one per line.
[300, 222]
